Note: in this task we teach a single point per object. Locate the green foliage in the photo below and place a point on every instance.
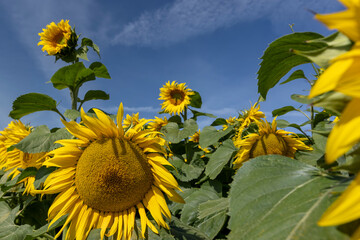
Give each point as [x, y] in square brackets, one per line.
[282, 111]
[210, 135]
[195, 100]
[32, 102]
[95, 95]
[282, 198]
[278, 59]
[42, 140]
[298, 74]
[174, 135]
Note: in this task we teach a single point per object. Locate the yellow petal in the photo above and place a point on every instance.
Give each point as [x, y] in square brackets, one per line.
[344, 135]
[120, 226]
[105, 223]
[346, 208]
[119, 118]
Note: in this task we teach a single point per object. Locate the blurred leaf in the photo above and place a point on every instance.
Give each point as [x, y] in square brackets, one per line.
[282, 111]
[281, 123]
[321, 116]
[210, 135]
[100, 70]
[72, 76]
[42, 174]
[220, 158]
[175, 118]
[195, 100]
[333, 101]
[320, 135]
[44, 229]
[95, 95]
[298, 74]
[301, 99]
[42, 140]
[336, 44]
[219, 121]
[310, 157]
[278, 60]
[211, 207]
[32, 102]
[72, 114]
[281, 198]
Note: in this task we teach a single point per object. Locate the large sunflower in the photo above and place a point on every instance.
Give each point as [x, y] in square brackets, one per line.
[157, 123]
[106, 176]
[55, 37]
[267, 141]
[176, 97]
[16, 159]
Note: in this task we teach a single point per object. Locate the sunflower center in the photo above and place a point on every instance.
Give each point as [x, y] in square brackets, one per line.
[112, 175]
[269, 144]
[177, 96]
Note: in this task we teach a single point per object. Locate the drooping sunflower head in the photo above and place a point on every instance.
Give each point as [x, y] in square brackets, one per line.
[157, 123]
[16, 159]
[176, 97]
[106, 176]
[267, 141]
[55, 37]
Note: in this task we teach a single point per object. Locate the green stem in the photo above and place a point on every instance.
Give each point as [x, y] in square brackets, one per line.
[57, 111]
[312, 117]
[48, 236]
[74, 96]
[306, 136]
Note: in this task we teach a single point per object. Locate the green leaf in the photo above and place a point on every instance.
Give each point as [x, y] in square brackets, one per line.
[219, 121]
[187, 171]
[278, 60]
[88, 42]
[42, 174]
[32, 102]
[95, 95]
[281, 123]
[30, 171]
[301, 99]
[298, 74]
[42, 140]
[72, 76]
[198, 114]
[72, 114]
[211, 207]
[174, 135]
[185, 232]
[210, 135]
[100, 70]
[336, 44]
[220, 158]
[283, 110]
[8, 229]
[276, 197]
[195, 100]
[333, 101]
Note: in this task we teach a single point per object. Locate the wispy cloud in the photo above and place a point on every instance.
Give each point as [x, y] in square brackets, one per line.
[187, 18]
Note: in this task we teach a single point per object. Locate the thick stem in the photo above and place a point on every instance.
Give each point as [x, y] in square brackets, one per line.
[74, 96]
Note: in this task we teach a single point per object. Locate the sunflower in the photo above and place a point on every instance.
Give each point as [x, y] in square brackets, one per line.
[157, 123]
[106, 176]
[176, 97]
[132, 120]
[55, 37]
[267, 141]
[16, 159]
[196, 138]
[229, 122]
[252, 115]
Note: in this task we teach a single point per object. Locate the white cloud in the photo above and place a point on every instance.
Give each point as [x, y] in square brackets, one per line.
[187, 18]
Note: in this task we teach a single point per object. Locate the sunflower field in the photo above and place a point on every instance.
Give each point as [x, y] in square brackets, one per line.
[104, 175]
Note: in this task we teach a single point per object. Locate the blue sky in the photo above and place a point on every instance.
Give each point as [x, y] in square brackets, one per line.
[212, 45]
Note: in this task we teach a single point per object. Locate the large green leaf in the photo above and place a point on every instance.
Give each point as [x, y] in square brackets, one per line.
[275, 197]
[72, 76]
[100, 70]
[278, 59]
[220, 158]
[42, 140]
[210, 135]
[187, 171]
[32, 102]
[283, 110]
[298, 74]
[8, 229]
[95, 95]
[183, 231]
[195, 100]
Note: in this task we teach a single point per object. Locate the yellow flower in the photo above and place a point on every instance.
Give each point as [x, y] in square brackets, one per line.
[229, 122]
[106, 176]
[15, 159]
[55, 37]
[345, 209]
[267, 141]
[157, 123]
[176, 97]
[133, 120]
[252, 115]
